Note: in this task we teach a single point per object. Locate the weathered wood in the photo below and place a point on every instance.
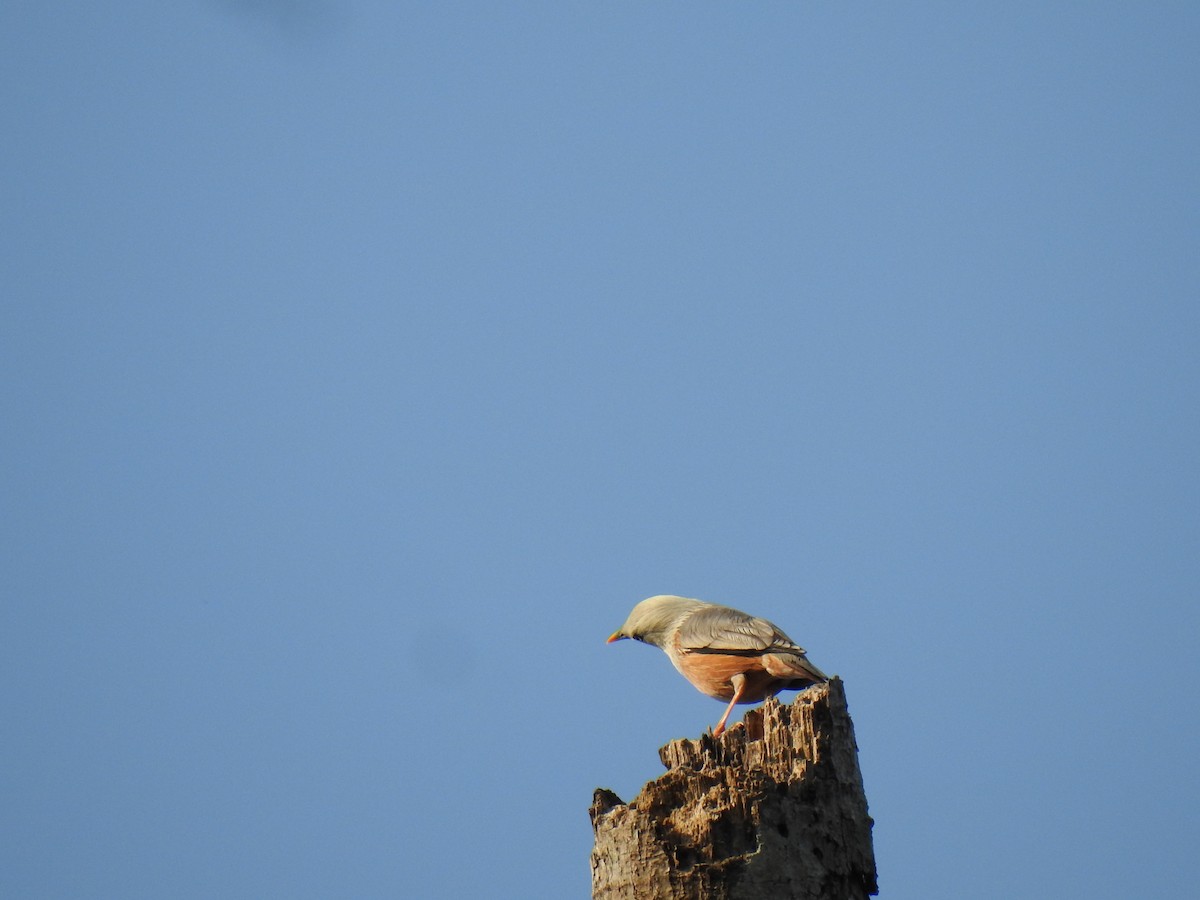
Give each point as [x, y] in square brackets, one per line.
[773, 808]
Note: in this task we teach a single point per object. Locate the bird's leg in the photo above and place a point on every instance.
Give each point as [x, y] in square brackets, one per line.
[739, 686]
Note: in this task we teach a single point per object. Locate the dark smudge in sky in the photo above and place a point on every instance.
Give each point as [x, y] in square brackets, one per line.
[291, 19]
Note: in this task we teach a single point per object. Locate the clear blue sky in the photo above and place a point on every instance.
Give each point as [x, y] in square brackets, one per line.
[363, 364]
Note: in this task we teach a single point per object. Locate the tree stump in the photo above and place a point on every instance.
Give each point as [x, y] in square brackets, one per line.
[773, 808]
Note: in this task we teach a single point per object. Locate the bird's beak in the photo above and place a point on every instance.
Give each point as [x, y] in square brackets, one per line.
[615, 636]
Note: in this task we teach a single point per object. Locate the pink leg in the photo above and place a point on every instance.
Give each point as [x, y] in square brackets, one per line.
[739, 686]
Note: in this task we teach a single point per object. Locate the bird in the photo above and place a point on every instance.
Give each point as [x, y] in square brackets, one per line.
[724, 652]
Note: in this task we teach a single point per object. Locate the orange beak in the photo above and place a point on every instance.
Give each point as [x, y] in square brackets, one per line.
[615, 636]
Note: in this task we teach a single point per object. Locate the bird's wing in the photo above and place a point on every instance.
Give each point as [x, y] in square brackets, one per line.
[721, 628]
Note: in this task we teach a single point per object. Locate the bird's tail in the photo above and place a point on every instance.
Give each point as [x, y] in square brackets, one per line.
[795, 666]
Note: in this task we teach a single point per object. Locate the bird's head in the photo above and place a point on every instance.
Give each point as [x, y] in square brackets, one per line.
[653, 621]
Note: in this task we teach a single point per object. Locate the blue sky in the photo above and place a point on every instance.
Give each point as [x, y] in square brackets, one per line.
[364, 363]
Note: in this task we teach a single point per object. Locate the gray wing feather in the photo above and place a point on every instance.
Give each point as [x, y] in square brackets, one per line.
[722, 628]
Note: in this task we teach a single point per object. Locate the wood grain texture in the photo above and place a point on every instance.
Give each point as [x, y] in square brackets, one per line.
[773, 808]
